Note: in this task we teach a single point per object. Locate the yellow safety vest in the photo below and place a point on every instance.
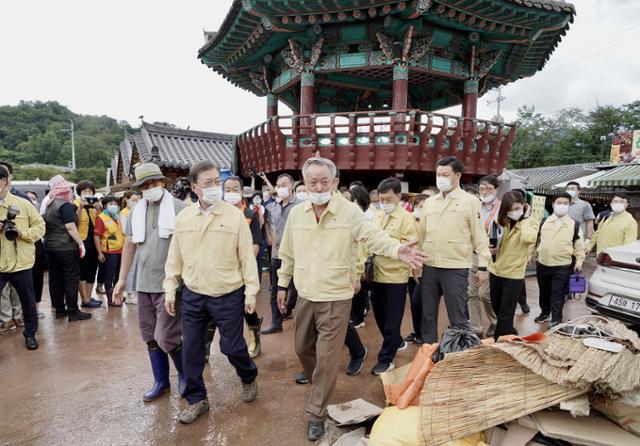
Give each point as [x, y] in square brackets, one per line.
[83, 220]
[113, 238]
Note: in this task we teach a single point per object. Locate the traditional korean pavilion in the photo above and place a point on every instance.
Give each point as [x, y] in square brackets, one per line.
[366, 78]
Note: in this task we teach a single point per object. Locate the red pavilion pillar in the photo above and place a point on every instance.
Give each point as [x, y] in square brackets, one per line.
[307, 93]
[400, 92]
[272, 105]
[470, 101]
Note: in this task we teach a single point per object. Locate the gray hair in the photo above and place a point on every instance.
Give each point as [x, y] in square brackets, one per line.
[319, 161]
[199, 167]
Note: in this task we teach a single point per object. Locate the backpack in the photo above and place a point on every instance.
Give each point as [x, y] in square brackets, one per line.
[576, 231]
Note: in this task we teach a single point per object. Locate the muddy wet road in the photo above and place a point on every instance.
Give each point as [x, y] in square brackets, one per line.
[84, 385]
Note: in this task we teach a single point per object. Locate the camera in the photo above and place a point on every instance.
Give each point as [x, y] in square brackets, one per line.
[91, 200]
[10, 230]
[182, 189]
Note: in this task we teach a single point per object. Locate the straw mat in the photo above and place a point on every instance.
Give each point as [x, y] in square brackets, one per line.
[479, 388]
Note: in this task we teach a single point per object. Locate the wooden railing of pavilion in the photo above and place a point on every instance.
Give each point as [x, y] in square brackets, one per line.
[410, 140]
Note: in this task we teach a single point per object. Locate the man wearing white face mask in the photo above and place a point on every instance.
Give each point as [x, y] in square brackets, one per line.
[278, 215]
[450, 231]
[149, 230]
[618, 229]
[581, 211]
[479, 296]
[560, 252]
[301, 191]
[390, 275]
[233, 187]
[319, 252]
[212, 258]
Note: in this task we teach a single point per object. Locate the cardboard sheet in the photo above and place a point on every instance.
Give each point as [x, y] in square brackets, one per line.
[353, 412]
[594, 430]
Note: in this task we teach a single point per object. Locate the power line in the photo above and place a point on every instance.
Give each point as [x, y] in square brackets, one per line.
[600, 41]
[588, 57]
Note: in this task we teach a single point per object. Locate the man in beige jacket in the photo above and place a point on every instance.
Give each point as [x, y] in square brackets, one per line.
[450, 231]
[318, 249]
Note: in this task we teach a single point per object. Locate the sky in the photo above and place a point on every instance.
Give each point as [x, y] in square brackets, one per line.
[130, 58]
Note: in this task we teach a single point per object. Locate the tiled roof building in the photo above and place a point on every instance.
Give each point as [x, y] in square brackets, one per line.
[173, 149]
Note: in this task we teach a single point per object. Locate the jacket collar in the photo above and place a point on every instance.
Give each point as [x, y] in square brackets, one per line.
[565, 220]
[455, 194]
[333, 206]
[215, 208]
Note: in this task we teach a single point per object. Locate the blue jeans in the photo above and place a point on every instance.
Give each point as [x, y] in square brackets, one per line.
[227, 312]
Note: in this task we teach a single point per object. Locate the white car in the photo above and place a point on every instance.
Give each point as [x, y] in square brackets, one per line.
[614, 287]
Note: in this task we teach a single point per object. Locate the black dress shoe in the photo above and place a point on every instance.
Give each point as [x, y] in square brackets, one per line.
[315, 431]
[78, 316]
[525, 308]
[272, 329]
[301, 378]
[31, 343]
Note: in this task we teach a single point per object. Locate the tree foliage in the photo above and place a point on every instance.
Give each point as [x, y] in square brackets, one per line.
[570, 136]
[33, 132]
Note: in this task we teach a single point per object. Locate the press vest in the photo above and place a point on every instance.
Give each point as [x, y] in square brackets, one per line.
[83, 220]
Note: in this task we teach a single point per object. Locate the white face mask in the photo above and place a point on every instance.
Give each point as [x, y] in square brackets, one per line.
[444, 184]
[113, 208]
[152, 195]
[232, 198]
[257, 200]
[319, 198]
[561, 209]
[302, 196]
[572, 193]
[417, 213]
[283, 192]
[488, 199]
[131, 204]
[265, 197]
[388, 208]
[515, 215]
[211, 195]
[617, 207]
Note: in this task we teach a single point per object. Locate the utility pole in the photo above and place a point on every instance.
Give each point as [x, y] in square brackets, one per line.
[499, 101]
[70, 130]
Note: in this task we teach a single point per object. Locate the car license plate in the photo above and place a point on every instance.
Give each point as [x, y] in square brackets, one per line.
[622, 303]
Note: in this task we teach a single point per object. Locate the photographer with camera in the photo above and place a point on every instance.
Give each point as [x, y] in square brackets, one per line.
[88, 207]
[10, 310]
[21, 227]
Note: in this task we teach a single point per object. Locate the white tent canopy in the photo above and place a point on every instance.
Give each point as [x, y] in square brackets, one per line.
[583, 181]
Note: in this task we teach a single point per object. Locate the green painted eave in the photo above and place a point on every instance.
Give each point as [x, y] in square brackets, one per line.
[527, 31]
